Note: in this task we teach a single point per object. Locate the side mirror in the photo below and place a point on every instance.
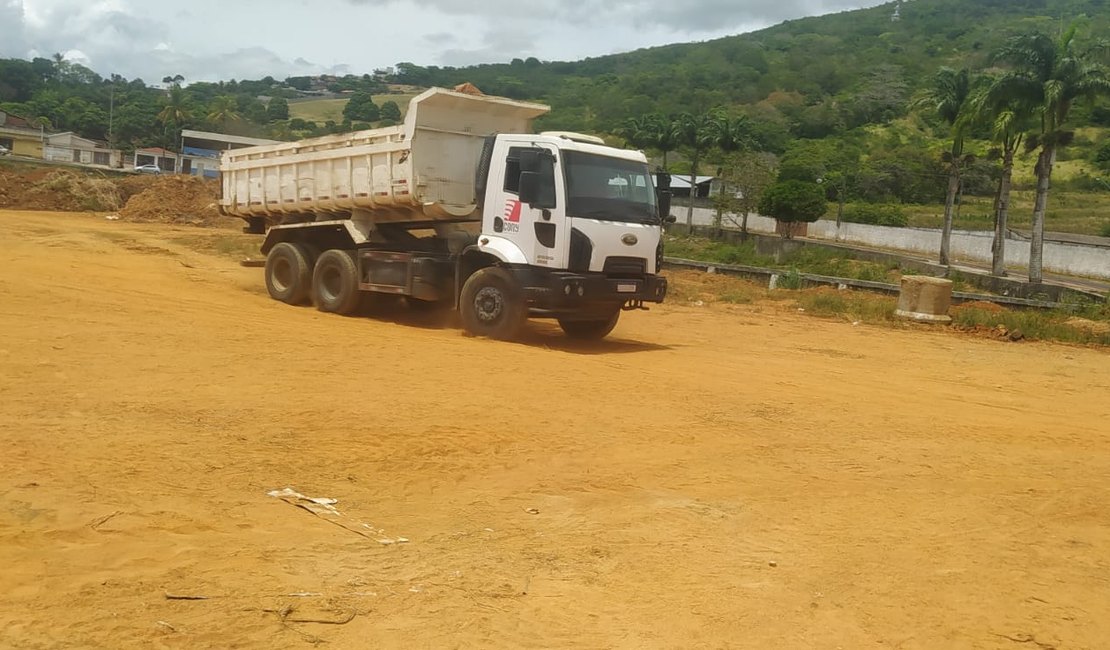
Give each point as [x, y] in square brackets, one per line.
[530, 160]
[529, 185]
[535, 192]
[664, 200]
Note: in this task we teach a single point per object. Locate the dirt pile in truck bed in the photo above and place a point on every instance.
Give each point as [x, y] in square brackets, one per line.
[173, 199]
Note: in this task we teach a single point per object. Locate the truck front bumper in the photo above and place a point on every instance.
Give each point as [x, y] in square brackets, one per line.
[562, 290]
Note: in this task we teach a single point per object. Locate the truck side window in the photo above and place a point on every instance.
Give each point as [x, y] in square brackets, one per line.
[547, 176]
[512, 171]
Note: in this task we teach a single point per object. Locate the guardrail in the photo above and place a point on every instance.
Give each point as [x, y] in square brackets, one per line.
[758, 272]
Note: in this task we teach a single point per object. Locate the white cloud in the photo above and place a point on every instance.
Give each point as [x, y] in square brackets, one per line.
[221, 39]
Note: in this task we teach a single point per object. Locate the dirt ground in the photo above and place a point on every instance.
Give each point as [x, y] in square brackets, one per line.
[711, 477]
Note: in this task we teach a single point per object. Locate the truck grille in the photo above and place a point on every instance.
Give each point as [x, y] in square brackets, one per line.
[625, 267]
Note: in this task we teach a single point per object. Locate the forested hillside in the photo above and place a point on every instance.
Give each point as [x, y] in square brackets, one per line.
[838, 95]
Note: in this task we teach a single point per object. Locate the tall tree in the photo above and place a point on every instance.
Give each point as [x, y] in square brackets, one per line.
[950, 97]
[1009, 115]
[733, 135]
[1050, 75]
[665, 135]
[698, 133]
[277, 110]
[174, 114]
[638, 132]
[391, 111]
[222, 110]
[749, 174]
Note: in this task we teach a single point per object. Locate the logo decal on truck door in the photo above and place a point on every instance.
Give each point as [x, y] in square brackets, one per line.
[512, 210]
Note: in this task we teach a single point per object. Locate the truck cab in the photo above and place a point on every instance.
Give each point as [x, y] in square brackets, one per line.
[576, 222]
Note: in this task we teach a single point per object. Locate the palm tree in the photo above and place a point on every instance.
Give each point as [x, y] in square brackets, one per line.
[175, 113]
[1050, 76]
[222, 110]
[1008, 116]
[638, 132]
[666, 137]
[698, 132]
[949, 97]
[175, 110]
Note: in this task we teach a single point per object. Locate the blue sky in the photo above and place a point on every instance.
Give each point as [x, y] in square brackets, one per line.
[223, 39]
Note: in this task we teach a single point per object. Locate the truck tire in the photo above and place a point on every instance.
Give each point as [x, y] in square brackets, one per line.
[288, 273]
[590, 330]
[491, 304]
[335, 283]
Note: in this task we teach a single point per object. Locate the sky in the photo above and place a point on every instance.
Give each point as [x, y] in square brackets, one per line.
[211, 40]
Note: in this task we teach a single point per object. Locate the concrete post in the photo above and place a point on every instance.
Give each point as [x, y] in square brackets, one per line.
[924, 299]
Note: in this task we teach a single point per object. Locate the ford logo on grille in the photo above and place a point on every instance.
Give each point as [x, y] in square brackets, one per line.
[630, 239]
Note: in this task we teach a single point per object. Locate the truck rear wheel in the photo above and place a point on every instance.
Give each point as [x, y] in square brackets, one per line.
[590, 330]
[288, 273]
[491, 304]
[335, 283]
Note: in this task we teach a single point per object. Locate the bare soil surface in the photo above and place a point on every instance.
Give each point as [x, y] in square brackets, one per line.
[714, 476]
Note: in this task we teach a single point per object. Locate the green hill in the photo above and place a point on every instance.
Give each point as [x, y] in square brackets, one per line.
[861, 62]
[812, 90]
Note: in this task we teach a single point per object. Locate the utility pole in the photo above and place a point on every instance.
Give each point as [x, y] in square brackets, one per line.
[111, 114]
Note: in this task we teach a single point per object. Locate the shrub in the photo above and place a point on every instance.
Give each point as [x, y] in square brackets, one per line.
[1084, 182]
[793, 202]
[1102, 156]
[1105, 232]
[875, 214]
[790, 280]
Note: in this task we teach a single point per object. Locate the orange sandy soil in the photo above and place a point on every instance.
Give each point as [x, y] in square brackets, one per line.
[710, 477]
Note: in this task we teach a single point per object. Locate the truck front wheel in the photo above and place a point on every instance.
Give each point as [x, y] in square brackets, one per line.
[590, 330]
[491, 304]
[335, 283]
[288, 273]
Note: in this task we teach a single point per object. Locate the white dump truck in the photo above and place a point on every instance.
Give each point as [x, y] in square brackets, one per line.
[460, 206]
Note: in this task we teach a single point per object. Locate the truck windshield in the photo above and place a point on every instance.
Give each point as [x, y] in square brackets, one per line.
[599, 187]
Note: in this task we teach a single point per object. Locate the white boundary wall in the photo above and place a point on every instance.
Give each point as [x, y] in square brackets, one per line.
[967, 245]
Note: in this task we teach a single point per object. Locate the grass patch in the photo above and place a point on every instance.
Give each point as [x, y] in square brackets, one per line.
[851, 305]
[1046, 325]
[1089, 324]
[708, 250]
[322, 110]
[807, 259]
[1068, 211]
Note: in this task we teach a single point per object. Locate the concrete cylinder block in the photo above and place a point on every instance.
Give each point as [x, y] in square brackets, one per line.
[924, 299]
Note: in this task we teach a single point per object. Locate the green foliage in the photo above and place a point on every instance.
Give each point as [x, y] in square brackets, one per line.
[1084, 182]
[391, 111]
[877, 214]
[362, 108]
[1053, 325]
[845, 79]
[792, 280]
[807, 259]
[851, 305]
[277, 110]
[794, 201]
[1102, 157]
[700, 248]
[1105, 231]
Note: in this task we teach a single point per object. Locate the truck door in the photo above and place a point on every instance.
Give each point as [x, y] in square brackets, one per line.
[539, 229]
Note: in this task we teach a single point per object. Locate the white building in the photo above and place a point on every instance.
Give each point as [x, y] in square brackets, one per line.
[69, 147]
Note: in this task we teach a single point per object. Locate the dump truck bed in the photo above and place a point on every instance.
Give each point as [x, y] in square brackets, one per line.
[422, 170]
